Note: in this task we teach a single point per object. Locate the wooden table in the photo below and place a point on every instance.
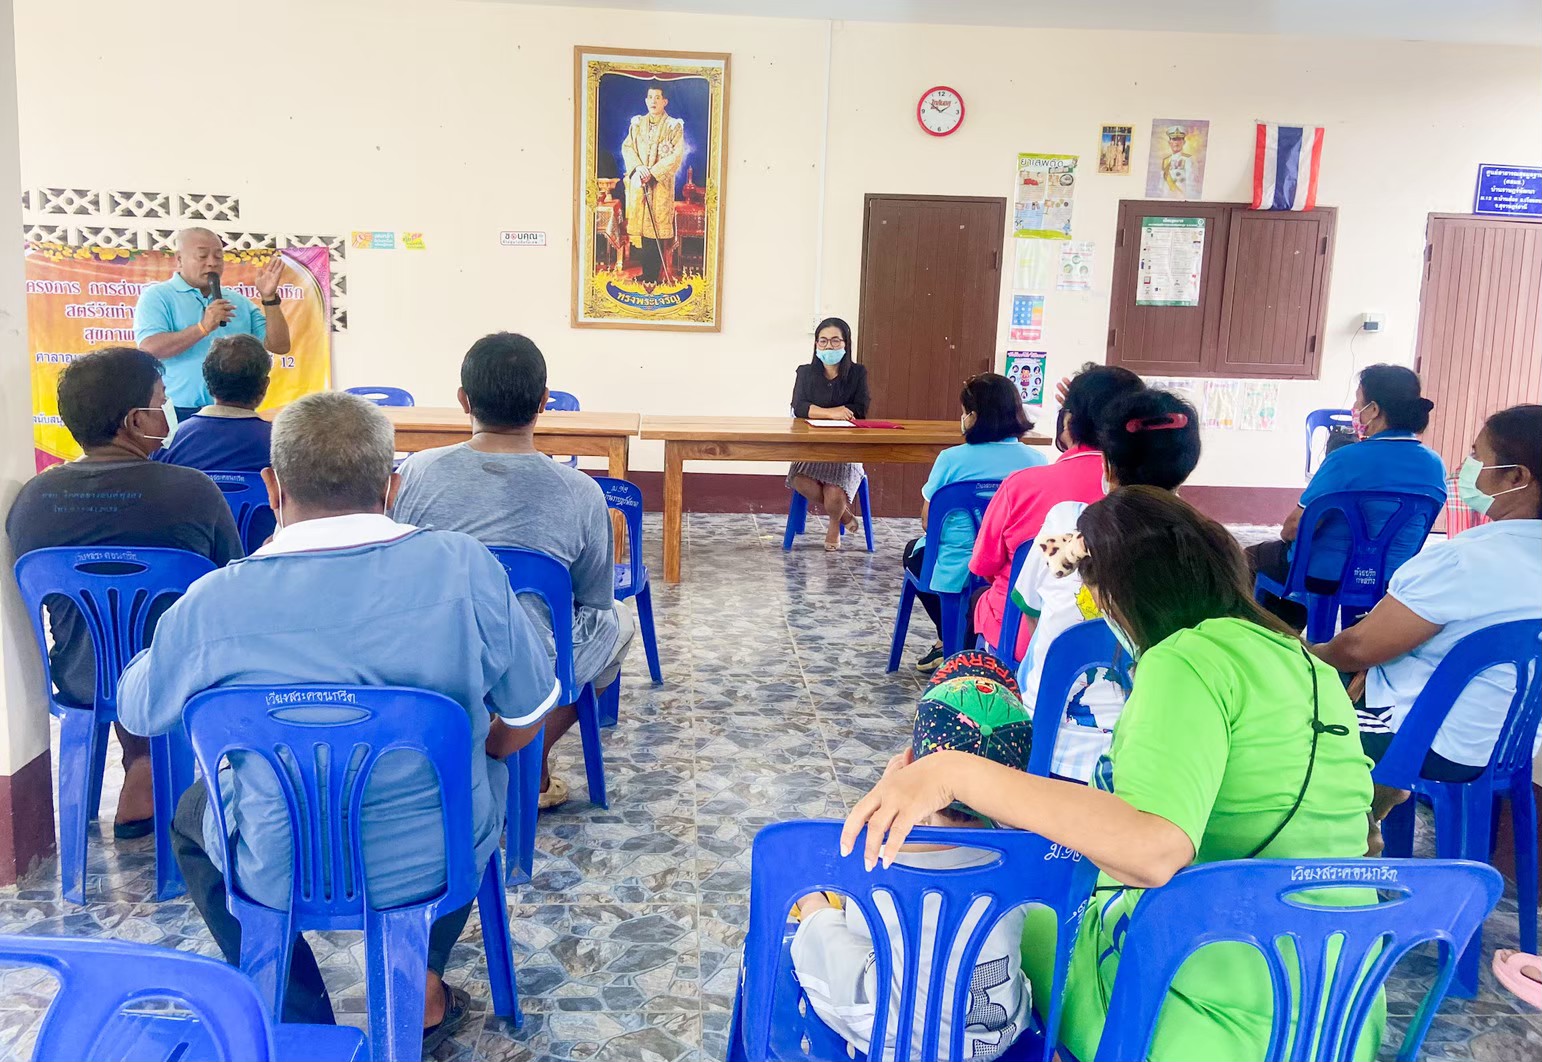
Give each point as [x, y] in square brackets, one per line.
[577, 434]
[782, 439]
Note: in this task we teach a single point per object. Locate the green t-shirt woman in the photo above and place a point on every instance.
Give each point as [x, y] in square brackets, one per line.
[1209, 762]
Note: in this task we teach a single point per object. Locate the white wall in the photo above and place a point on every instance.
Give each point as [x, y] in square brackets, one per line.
[455, 118]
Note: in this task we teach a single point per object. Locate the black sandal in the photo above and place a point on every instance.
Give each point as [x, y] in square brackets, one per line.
[457, 1004]
[131, 831]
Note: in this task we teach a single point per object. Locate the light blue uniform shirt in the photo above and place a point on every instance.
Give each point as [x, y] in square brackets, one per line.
[1388, 460]
[993, 460]
[173, 305]
[429, 609]
[1490, 574]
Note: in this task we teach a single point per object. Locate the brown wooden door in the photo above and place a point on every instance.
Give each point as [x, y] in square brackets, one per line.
[931, 281]
[1480, 324]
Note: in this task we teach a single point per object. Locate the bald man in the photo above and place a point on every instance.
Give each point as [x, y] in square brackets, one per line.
[177, 320]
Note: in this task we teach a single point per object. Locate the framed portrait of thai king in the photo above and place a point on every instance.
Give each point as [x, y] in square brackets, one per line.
[648, 157]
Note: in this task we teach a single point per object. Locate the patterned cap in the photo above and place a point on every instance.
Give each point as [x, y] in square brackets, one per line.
[976, 663]
[975, 715]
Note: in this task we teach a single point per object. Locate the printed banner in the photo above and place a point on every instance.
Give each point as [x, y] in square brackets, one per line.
[1045, 187]
[81, 298]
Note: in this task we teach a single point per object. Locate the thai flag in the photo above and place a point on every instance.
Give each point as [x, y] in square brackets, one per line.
[1285, 161]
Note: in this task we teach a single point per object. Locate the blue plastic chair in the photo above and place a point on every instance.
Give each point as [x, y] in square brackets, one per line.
[1366, 571]
[533, 572]
[1324, 420]
[797, 516]
[967, 498]
[114, 589]
[632, 577]
[1086, 647]
[1464, 811]
[99, 1010]
[791, 859]
[563, 402]
[247, 496]
[1011, 615]
[323, 743]
[1266, 902]
[384, 396]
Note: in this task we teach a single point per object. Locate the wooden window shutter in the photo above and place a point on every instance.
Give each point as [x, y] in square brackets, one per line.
[1275, 296]
[1166, 340]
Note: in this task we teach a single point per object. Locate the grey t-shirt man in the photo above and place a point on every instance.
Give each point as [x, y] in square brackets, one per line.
[527, 500]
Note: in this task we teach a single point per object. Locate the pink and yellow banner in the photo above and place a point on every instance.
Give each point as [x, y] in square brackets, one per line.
[82, 298]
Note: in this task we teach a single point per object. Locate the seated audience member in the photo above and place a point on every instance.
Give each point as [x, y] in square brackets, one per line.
[993, 423]
[228, 436]
[114, 404]
[343, 594]
[1453, 588]
[1016, 514]
[971, 712]
[1148, 438]
[830, 386]
[498, 488]
[1388, 415]
[1236, 743]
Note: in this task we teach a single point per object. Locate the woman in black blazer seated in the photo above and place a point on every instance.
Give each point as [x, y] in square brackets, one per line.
[830, 387]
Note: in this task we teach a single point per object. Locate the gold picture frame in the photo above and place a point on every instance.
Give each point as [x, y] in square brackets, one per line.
[648, 248]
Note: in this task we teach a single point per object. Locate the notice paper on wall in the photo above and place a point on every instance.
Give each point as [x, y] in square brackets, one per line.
[1042, 202]
[1222, 397]
[1186, 388]
[1027, 318]
[373, 241]
[1172, 255]
[1259, 409]
[1075, 266]
[413, 241]
[1035, 264]
[1025, 368]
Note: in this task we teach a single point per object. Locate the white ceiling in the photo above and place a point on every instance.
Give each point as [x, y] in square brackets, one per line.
[1464, 21]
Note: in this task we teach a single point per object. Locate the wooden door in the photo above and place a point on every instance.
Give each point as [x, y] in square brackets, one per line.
[931, 283]
[1480, 324]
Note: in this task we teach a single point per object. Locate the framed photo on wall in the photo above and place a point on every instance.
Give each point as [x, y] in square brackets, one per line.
[648, 157]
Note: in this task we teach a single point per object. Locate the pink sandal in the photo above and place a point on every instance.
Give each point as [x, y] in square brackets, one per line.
[1520, 973]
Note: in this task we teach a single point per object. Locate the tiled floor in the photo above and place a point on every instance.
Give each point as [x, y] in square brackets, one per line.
[775, 704]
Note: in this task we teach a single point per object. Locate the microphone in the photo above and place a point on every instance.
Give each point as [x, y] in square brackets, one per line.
[214, 289]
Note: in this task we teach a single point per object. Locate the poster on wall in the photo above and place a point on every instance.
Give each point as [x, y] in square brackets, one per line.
[1041, 207]
[1114, 146]
[82, 298]
[1027, 318]
[1075, 266]
[647, 213]
[1035, 264]
[1175, 167]
[1025, 368]
[1172, 255]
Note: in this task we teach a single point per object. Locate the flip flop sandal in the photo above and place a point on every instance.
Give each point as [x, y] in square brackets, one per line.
[554, 795]
[130, 831]
[1511, 966]
[456, 1006]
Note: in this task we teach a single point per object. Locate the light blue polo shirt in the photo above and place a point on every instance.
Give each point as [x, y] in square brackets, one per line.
[1490, 574]
[173, 305]
[427, 609]
[992, 460]
[1388, 460]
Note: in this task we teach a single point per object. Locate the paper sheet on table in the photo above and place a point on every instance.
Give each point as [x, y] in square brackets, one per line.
[828, 423]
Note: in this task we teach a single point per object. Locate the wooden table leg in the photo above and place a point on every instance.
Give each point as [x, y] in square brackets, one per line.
[674, 503]
[616, 454]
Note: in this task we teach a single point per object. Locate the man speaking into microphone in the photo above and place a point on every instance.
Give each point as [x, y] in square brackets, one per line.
[177, 320]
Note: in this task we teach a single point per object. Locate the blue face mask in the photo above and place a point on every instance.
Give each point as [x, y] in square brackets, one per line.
[832, 356]
[1122, 638]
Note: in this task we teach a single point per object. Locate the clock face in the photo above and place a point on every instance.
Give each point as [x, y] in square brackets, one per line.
[941, 111]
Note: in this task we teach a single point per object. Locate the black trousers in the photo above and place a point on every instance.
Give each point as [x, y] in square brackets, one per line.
[652, 260]
[1273, 559]
[915, 557]
[1435, 767]
[305, 999]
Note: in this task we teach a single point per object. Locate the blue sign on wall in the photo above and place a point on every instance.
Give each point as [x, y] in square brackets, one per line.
[1509, 191]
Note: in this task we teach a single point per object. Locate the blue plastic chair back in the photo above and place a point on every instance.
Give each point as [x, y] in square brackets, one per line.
[1088, 646]
[1267, 902]
[1011, 615]
[323, 743]
[797, 516]
[247, 496]
[99, 978]
[1324, 420]
[967, 498]
[790, 859]
[384, 396]
[626, 498]
[1366, 569]
[533, 572]
[115, 589]
[562, 402]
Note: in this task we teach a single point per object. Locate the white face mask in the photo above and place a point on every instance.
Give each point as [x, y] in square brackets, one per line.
[167, 410]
